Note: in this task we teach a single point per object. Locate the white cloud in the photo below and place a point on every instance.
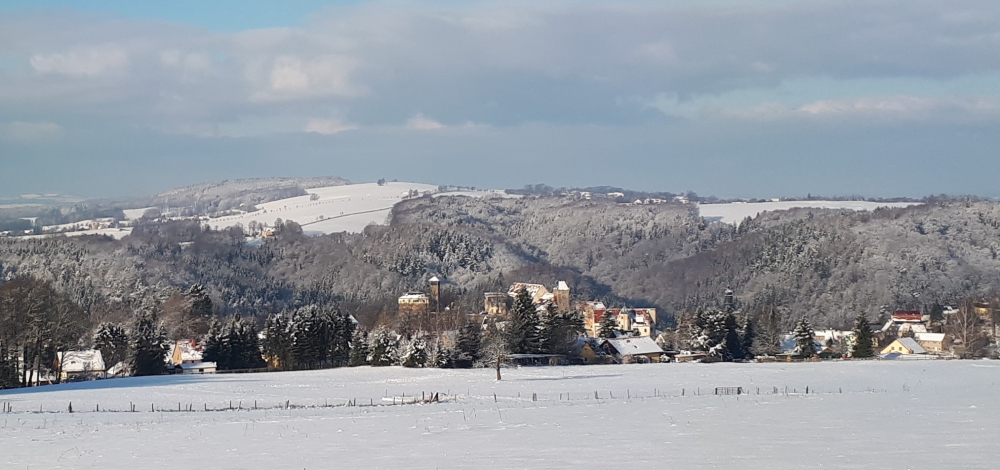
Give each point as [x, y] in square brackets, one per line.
[291, 77]
[82, 61]
[328, 126]
[21, 131]
[423, 123]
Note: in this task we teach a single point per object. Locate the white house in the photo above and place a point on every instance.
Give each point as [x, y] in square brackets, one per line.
[76, 363]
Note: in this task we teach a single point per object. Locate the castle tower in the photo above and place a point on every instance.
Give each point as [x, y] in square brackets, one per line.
[435, 294]
[562, 297]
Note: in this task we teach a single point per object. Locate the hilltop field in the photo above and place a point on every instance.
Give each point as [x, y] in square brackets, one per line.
[857, 415]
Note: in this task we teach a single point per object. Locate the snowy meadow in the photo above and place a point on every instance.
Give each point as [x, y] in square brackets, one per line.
[905, 415]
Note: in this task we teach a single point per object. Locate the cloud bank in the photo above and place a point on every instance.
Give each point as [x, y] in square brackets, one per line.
[717, 77]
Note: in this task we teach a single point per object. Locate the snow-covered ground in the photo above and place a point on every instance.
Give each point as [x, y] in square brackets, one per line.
[345, 208]
[857, 415]
[112, 232]
[734, 212]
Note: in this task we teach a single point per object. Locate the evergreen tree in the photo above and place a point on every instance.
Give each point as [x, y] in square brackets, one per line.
[559, 330]
[609, 325]
[8, 369]
[439, 355]
[359, 349]
[710, 333]
[414, 353]
[382, 347]
[805, 346]
[341, 333]
[747, 337]
[148, 344]
[213, 350]
[278, 341]
[111, 340]
[468, 344]
[311, 333]
[201, 303]
[734, 343]
[244, 343]
[524, 329]
[862, 346]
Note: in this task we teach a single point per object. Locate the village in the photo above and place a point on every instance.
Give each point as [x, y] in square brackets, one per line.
[533, 325]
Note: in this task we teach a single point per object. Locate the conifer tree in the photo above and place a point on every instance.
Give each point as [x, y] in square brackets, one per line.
[359, 349]
[148, 344]
[278, 341]
[468, 344]
[524, 329]
[382, 347]
[805, 346]
[111, 340]
[213, 348]
[609, 325]
[8, 369]
[863, 340]
[734, 343]
[748, 337]
[414, 353]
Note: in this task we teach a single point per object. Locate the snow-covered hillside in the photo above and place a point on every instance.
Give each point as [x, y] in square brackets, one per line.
[342, 208]
[734, 212]
[857, 415]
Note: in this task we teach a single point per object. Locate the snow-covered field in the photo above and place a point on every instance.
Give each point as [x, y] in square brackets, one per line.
[345, 208]
[857, 415]
[735, 212]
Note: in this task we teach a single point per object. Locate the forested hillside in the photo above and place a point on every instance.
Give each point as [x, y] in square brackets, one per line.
[826, 265]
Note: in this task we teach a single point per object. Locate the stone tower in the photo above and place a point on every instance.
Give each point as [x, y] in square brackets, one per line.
[435, 294]
[562, 297]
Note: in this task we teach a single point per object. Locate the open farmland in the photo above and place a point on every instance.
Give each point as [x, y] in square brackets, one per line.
[857, 415]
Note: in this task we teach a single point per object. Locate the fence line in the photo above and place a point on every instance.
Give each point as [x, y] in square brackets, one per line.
[426, 398]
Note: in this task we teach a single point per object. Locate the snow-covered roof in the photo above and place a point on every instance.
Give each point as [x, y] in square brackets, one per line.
[82, 361]
[531, 288]
[562, 286]
[198, 365]
[929, 337]
[434, 279]
[190, 351]
[634, 345]
[414, 296]
[911, 344]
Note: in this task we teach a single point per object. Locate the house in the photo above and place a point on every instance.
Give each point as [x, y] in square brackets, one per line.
[185, 351]
[633, 321]
[932, 342]
[414, 303]
[189, 368]
[80, 363]
[635, 347]
[540, 296]
[584, 350]
[904, 346]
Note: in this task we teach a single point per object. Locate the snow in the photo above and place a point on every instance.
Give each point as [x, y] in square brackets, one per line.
[344, 208]
[735, 212]
[132, 214]
[116, 233]
[850, 420]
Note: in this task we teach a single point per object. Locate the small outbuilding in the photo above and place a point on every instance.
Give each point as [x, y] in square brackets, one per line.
[634, 346]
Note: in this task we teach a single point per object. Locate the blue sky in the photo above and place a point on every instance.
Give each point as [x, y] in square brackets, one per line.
[216, 15]
[752, 98]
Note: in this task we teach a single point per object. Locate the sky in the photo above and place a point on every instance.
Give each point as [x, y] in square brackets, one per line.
[734, 98]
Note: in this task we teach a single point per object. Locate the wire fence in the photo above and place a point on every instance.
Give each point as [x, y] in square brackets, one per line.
[431, 398]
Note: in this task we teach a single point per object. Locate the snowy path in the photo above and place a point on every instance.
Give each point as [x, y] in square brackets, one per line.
[858, 415]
